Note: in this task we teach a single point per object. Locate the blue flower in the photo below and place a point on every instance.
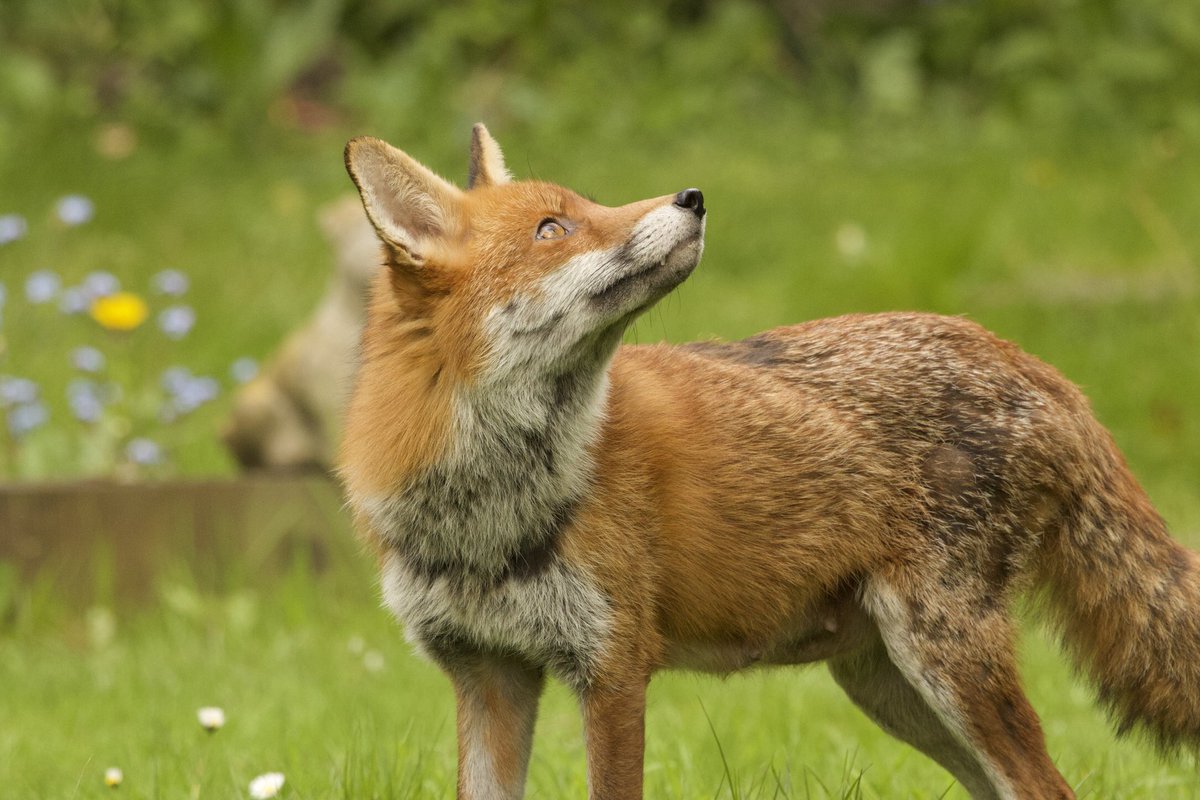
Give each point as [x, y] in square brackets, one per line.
[187, 391]
[24, 418]
[86, 400]
[100, 284]
[171, 282]
[195, 393]
[74, 300]
[41, 286]
[87, 358]
[173, 379]
[87, 408]
[145, 452]
[12, 227]
[176, 321]
[17, 391]
[244, 370]
[75, 209]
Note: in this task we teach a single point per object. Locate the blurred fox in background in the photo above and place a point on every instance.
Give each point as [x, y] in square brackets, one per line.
[288, 418]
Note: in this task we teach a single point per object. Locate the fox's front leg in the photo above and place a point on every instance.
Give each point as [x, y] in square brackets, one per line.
[614, 720]
[497, 702]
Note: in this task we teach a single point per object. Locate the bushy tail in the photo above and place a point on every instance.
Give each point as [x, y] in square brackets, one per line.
[1126, 597]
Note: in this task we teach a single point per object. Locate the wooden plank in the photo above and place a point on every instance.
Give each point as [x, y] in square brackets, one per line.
[108, 541]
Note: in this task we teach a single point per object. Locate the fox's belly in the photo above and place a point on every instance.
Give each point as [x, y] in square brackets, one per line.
[832, 627]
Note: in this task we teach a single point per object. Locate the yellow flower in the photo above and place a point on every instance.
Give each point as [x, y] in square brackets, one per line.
[122, 311]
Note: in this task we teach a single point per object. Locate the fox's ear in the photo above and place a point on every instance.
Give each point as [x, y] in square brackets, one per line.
[405, 201]
[487, 162]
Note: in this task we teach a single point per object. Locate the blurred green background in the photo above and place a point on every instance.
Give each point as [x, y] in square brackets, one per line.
[1031, 165]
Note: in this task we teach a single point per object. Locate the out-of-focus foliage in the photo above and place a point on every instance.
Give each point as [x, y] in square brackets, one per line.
[168, 62]
[1048, 60]
[165, 63]
[1029, 164]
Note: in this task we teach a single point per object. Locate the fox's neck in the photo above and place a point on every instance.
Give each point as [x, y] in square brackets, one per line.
[516, 463]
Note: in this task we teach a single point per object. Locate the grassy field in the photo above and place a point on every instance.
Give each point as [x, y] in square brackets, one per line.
[317, 683]
[1083, 250]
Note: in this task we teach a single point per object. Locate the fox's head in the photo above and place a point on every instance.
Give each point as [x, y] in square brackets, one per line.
[516, 276]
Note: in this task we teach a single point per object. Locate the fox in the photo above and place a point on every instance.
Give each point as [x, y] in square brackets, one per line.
[287, 419]
[872, 491]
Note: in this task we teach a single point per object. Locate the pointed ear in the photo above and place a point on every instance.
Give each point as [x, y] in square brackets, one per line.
[487, 162]
[408, 204]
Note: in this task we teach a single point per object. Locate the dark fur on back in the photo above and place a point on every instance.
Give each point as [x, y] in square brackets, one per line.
[1021, 488]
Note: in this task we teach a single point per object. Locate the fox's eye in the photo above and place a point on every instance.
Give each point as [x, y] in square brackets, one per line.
[550, 229]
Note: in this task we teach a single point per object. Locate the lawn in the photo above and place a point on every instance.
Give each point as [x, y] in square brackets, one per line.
[317, 683]
[1080, 248]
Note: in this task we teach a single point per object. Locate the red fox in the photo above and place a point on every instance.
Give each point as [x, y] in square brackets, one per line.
[870, 491]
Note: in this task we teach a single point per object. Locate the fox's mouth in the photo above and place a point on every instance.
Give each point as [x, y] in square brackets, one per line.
[619, 285]
[675, 265]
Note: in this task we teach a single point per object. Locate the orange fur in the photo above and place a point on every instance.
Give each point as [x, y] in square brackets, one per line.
[871, 491]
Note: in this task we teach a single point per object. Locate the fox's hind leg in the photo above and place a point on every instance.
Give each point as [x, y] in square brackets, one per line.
[877, 686]
[952, 642]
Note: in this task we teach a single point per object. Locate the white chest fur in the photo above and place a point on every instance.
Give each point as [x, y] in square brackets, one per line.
[554, 618]
[473, 540]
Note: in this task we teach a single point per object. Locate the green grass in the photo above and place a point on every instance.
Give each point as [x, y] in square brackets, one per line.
[85, 692]
[1081, 250]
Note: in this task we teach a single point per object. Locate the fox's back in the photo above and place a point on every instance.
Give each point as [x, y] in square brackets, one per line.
[826, 447]
[910, 382]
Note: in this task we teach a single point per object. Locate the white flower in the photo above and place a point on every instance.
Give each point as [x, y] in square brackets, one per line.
[101, 626]
[373, 661]
[851, 241]
[170, 281]
[176, 321]
[356, 645]
[42, 286]
[75, 209]
[17, 391]
[113, 776]
[267, 785]
[23, 419]
[87, 359]
[86, 399]
[144, 452]
[12, 227]
[211, 718]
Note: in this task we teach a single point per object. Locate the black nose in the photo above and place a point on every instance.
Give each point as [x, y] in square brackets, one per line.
[692, 199]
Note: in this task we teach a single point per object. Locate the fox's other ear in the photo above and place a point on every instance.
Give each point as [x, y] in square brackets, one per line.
[487, 162]
[406, 202]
